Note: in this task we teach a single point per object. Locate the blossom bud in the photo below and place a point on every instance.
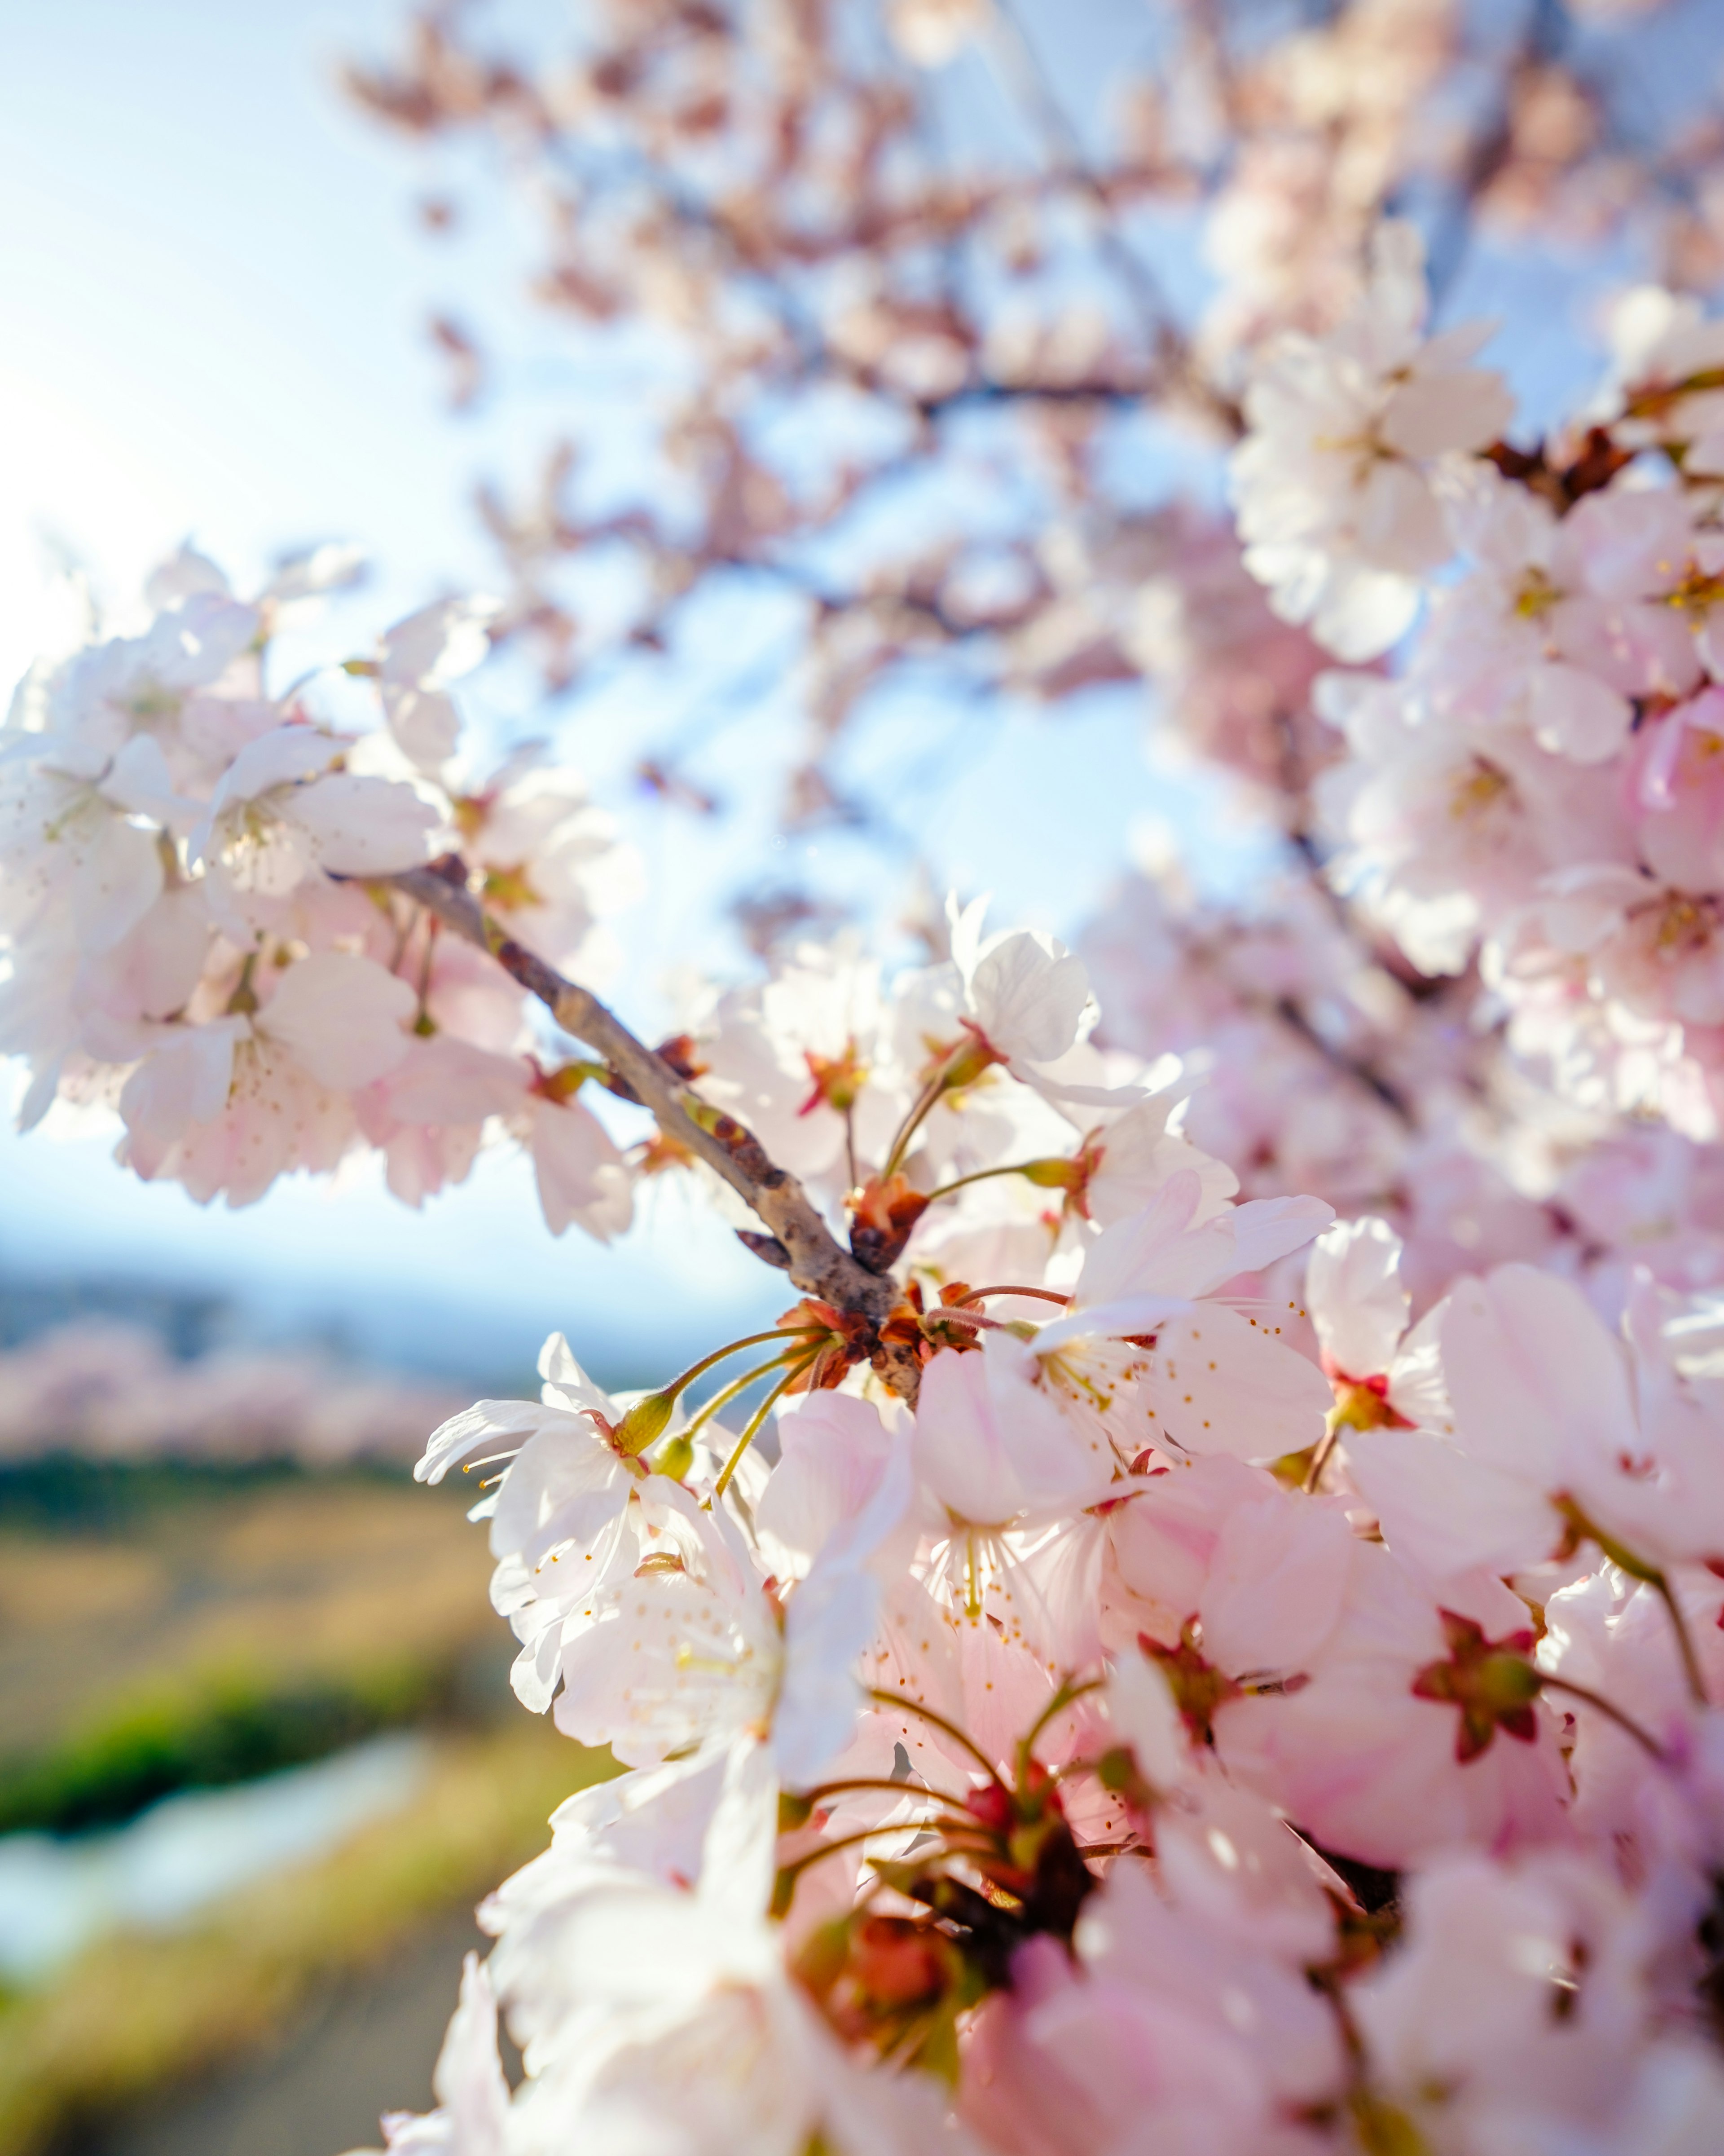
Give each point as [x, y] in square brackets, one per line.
[644, 1422]
[883, 1215]
[968, 1062]
[673, 1458]
[1054, 1174]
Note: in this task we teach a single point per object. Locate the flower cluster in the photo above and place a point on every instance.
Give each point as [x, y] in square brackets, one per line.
[1536, 790]
[1139, 1657]
[1201, 1718]
[198, 923]
[1329, 1064]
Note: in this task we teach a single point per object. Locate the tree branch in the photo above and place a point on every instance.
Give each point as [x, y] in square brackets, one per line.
[1286, 1008]
[811, 1255]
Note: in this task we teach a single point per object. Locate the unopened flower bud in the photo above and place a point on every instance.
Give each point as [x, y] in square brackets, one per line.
[644, 1422]
[1052, 1174]
[967, 1063]
[673, 1457]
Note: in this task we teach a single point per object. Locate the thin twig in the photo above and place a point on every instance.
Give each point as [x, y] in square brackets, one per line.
[1354, 1067]
[814, 1259]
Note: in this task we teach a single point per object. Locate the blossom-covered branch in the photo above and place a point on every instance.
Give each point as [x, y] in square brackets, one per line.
[871, 251]
[800, 1240]
[1202, 1630]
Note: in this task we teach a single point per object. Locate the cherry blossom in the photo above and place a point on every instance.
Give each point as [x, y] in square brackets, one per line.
[197, 933]
[1332, 481]
[1198, 1626]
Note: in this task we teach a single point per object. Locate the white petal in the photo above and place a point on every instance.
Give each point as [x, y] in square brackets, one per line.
[989, 1447]
[833, 1450]
[287, 757]
[425, 723]
[363, 826]
[495, 1426]
[1271, 1228]
[1028, 1000]
[581, 1177]
[1143, 1713]
[438, 644]
[184, 1081]
[1443, 1512]
[342, 1017]
[1277, 1580]
[117, 882]
[1352, 1285]
[1535, 1382]
[468, 2081]
[1572, 713]
[1224, 1384]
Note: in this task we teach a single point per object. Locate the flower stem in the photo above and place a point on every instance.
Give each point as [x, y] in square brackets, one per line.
[982, 1175]
[1684, 1639]
[433, 929]
[1058, 1704]
[920, 1107]
[939, 1722]
[1651, 1575]
[1615, 1714]
[958, 1315]
[756, 1419]
[726, 1393]
[1036, 1294]
[780, 1332]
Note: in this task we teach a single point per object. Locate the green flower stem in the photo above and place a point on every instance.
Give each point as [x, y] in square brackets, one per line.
[678, 1385]
[726, 1394]
[756, 1419]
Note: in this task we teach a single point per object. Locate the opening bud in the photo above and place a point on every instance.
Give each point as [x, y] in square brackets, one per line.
[883, 1215]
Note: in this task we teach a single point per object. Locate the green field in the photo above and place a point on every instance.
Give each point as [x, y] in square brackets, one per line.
[163, 1629]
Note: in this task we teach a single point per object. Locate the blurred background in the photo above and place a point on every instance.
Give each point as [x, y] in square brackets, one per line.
[269, 279]
[258, 1755]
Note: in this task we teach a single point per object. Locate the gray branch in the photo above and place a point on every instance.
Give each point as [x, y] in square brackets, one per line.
[805, 1246]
